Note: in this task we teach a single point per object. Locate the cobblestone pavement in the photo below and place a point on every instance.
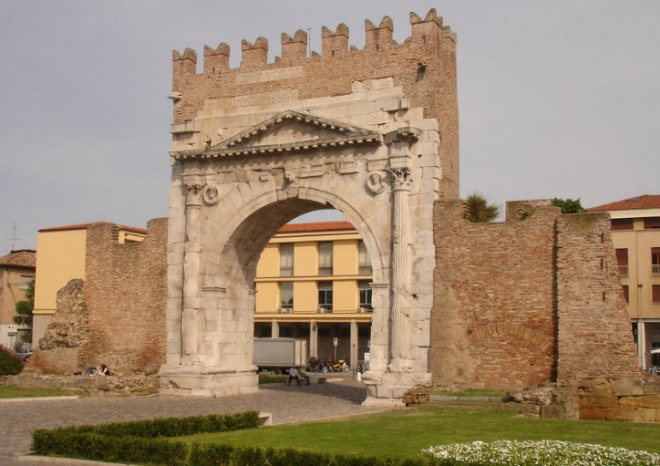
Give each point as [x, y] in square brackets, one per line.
[287, 404]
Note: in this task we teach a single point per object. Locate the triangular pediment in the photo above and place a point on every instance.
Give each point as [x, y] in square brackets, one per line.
[290, 131]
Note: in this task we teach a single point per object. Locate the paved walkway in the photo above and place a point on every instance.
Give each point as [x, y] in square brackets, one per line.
[287, 404]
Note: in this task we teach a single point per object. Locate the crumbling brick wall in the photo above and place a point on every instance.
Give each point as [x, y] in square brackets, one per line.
[126, 293]
[595, 335]
[526, 301]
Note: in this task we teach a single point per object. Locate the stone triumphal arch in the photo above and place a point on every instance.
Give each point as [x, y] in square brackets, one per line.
[257, 146]
[229, 198]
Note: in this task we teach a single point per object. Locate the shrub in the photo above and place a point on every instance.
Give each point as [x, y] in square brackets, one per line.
[10, 364]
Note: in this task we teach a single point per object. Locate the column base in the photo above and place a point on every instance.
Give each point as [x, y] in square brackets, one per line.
[206, 381]
[388, 389]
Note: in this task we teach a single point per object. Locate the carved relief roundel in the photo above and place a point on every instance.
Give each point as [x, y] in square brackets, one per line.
[375, 183]
[211, 195]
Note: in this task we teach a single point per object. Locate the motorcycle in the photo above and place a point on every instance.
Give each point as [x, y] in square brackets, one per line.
[338, 366]
[314, 365]
[343, 365]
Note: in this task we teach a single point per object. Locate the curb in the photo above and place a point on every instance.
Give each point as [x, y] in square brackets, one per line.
[38, 398]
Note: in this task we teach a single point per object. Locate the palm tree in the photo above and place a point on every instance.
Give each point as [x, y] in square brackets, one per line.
[480, 210]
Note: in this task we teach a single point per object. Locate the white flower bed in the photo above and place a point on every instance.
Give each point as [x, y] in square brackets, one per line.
[543, 452]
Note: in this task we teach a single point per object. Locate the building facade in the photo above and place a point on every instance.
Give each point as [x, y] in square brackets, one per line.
[636, 237]
[61, 257]
[16, 272]
[314, 282]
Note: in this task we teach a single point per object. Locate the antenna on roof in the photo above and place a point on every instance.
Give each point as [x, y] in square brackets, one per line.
[309, 43]
[13, 238]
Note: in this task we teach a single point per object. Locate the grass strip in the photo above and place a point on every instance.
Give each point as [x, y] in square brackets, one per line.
[404, 433]
[15, 391]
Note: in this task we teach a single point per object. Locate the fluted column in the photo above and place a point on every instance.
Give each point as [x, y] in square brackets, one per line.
[401, 269]
[189, 322]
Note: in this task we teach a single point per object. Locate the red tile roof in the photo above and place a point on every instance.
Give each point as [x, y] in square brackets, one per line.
[25, 259]
[83, 226]
[645, 201]
[315, 226]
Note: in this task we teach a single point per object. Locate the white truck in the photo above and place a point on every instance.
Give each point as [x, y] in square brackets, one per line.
[279, 354]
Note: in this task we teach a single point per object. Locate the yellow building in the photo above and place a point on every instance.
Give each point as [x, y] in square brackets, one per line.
[313, 282]
[636, 237]
[61, 256]
[16, 273]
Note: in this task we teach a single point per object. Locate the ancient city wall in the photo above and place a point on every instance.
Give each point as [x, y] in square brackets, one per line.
[424, 66]
[493, 323]
[125, 294]
[595, 335]
[531, 300]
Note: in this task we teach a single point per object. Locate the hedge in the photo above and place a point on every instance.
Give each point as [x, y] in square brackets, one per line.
[153, 442]
[10, 364]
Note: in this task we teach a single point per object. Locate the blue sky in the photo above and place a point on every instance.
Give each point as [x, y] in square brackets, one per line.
[556, 99]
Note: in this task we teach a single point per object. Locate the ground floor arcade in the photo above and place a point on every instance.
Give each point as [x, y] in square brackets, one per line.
[349, 340]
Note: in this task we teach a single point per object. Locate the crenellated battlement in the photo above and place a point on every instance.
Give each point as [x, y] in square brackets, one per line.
[423, 67]
[216, 59]
[378, 38]
[294, 49]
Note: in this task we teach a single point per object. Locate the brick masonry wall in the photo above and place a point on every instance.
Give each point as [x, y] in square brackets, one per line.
[126, 293]
[525, 302]
[595, 335]
[493, 323]
[424, 66]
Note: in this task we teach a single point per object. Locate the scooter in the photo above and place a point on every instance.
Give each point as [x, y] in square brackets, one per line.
[342, 365]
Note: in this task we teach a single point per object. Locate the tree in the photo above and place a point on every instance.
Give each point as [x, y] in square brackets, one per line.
[24, 310]
[568, 206]
[480, 210]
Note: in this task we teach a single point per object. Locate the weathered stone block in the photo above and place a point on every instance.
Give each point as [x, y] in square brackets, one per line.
[627, 387]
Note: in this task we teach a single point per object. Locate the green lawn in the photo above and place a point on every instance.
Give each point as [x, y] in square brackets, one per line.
[473, 392]
[267, 377]
[14, 391]
[403, 433]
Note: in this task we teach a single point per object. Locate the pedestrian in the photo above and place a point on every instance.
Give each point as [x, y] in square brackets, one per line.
[303, 375]
[293, 375]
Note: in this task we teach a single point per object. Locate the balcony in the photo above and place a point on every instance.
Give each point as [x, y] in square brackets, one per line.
[623, 270]
[655, 269]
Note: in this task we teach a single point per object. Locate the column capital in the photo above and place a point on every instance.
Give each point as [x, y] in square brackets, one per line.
[194, 194]
[401, 178]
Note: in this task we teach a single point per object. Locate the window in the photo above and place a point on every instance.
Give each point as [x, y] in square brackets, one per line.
[365, 296]
[626, 293]
[325, 258]
[363, 260]
[622, 261]
[651, 223]
[655, 261]
[622, 224]
[286, 259]
[656, 294]
[325, 296]
[25, 282]
[286, 295]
